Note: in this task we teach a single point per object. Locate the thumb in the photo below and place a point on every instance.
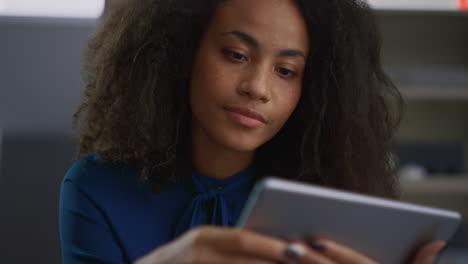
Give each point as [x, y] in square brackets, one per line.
[428, 253]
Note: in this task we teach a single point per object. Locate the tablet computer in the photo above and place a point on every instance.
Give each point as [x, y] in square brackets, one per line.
[385, 230]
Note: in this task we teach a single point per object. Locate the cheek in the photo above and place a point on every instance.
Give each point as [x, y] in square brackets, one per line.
[212, 80]
[287, 102]
[221, 81]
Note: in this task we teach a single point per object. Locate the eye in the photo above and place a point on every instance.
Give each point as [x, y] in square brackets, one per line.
[286, 73]
[233, 55]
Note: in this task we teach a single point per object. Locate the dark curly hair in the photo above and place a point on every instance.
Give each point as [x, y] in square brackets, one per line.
[136, 110]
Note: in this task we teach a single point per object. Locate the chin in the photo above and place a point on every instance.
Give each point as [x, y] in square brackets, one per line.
[242, 143]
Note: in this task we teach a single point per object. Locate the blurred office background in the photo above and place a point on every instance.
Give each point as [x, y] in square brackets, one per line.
[425, 51]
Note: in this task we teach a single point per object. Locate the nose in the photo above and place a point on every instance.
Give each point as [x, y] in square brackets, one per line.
[256, 86]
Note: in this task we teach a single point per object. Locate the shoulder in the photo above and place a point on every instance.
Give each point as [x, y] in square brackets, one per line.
[90, 166]
[93, 173]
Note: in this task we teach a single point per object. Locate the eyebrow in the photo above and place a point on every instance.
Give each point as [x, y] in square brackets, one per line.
[254, 43]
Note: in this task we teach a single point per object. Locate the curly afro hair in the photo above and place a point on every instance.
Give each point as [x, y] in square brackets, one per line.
[136, 110]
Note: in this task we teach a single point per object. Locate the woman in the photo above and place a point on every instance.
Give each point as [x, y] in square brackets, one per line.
[189, 103]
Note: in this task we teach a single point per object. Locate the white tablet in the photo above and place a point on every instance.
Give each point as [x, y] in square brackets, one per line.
[388, 231]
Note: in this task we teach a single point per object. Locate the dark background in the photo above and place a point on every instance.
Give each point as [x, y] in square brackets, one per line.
[40, 88]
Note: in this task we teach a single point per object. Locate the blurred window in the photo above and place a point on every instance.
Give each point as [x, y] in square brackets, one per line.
[52, 8]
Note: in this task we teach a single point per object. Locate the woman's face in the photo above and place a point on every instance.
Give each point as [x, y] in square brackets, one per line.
[247, 74]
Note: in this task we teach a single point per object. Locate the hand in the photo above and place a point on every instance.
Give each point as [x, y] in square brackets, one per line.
[428, 253]
[328, 252]
[210, 244]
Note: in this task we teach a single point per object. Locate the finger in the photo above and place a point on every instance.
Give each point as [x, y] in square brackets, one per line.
[428, 253]
[244, 260]
[339, 253]
[234, 241]
[303, 254]
[211, 256]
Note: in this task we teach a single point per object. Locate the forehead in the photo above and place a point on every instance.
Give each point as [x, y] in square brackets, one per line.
[274, 23]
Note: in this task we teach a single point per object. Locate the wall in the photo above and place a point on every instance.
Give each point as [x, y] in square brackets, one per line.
[40, 87]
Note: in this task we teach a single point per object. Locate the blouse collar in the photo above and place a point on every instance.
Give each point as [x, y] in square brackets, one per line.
[215, 201]
[203, 183]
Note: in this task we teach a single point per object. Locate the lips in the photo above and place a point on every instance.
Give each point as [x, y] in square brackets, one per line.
[247, 112]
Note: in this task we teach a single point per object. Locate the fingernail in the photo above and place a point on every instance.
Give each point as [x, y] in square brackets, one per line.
[294, 251]
[317, 245]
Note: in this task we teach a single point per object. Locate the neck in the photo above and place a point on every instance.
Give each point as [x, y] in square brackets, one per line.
[214, 160]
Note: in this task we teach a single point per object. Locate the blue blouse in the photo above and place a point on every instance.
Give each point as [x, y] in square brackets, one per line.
[107, 215]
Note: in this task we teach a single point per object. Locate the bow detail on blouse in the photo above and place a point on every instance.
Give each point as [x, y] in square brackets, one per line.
[210, 204]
